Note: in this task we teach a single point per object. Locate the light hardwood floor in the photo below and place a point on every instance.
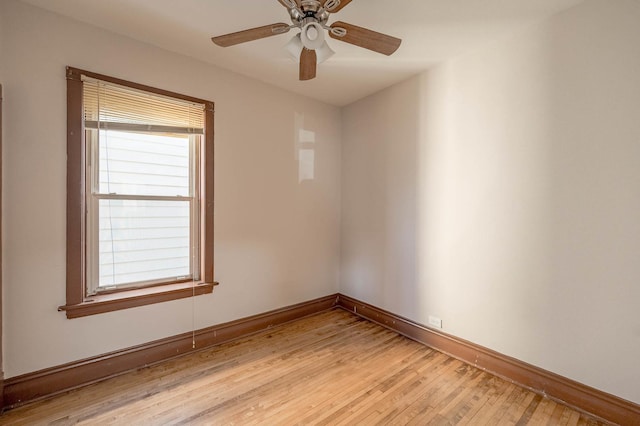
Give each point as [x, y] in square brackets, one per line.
[328, 369]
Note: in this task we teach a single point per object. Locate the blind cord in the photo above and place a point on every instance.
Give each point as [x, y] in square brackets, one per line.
[107, 162]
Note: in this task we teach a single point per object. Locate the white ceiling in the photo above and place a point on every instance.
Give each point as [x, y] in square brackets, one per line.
[431, 30]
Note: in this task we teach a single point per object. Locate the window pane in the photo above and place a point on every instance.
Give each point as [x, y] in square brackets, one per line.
[143, 164]
[143, 240]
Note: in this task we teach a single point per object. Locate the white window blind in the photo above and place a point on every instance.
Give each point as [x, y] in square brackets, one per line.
[109, 105]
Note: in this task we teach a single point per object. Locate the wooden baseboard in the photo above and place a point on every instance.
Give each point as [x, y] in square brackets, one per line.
[32, 386]
[1, 392]
[554, 386]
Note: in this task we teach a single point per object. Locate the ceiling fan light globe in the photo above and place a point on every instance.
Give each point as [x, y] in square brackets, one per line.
[312, 36]
[294, 48]
[324, 53]
[312, 33]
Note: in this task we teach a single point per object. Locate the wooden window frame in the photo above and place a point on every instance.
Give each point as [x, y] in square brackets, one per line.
[78, 304]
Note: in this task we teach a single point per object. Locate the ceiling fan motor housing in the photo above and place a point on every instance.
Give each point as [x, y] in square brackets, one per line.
[309, 10]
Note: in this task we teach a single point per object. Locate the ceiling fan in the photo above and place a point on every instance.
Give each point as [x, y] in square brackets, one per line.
[309, 47]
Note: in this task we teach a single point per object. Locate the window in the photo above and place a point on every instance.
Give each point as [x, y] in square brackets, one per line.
[139, 195]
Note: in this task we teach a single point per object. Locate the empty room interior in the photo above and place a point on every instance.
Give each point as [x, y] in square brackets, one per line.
[387, 212]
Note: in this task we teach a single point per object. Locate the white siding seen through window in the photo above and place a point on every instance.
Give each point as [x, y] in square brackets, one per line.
[144, 203]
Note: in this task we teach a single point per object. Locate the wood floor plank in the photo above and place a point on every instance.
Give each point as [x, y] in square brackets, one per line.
[391, 401]
[333, 368]
[365, 350]
[366, 394]
[543, 411]
[325, 394]
[423, 388]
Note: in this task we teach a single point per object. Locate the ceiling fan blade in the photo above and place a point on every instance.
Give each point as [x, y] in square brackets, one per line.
[250, 35]
[363, 37]
[341, 4]
[308, 61]
[290, 3]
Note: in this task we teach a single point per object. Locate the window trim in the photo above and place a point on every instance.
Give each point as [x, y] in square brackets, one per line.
[77, 302]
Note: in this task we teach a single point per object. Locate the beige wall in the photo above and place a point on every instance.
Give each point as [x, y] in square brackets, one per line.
[277, 239]
[500, 191]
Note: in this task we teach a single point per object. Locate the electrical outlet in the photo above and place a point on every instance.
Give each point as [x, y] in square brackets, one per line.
[435, 322]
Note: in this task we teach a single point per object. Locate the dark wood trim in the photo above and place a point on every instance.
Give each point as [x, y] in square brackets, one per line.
[129, 299]
[77, 303]
[75, 191]
[577, 395]
[40, 384]
[2, 395]
[208, 193]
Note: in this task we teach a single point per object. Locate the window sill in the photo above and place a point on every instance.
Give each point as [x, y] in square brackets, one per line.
[133, 298]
